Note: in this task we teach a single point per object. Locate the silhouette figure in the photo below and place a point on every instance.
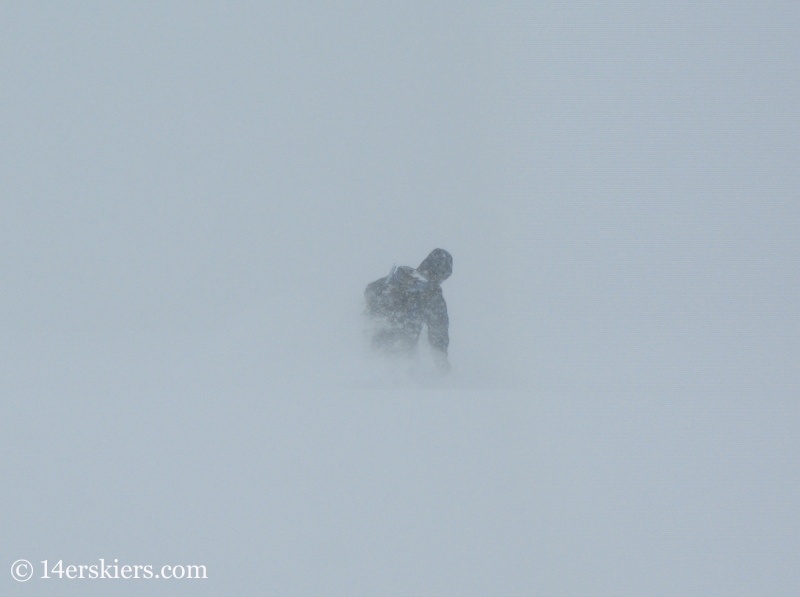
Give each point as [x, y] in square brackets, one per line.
[405, 300]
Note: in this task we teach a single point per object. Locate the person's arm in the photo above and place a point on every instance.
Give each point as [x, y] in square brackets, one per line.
[438, 328]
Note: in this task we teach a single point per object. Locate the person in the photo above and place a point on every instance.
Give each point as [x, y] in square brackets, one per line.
[399, 304]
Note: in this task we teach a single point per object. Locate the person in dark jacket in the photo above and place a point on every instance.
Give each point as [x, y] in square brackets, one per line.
[407, 298]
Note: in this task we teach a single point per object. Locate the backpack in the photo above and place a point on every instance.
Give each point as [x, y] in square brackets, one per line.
[396, 294]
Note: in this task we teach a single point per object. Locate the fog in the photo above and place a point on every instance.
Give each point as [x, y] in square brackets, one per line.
[195, 196]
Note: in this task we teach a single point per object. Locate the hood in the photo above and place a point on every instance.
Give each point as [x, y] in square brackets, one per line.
[437, 266]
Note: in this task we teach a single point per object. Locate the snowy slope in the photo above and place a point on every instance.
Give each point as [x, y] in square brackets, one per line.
[194, 200]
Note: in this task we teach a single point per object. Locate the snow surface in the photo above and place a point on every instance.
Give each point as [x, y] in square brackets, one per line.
[194, 198]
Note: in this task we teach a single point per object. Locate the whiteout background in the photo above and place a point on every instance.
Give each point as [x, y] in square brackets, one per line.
[195, 195]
